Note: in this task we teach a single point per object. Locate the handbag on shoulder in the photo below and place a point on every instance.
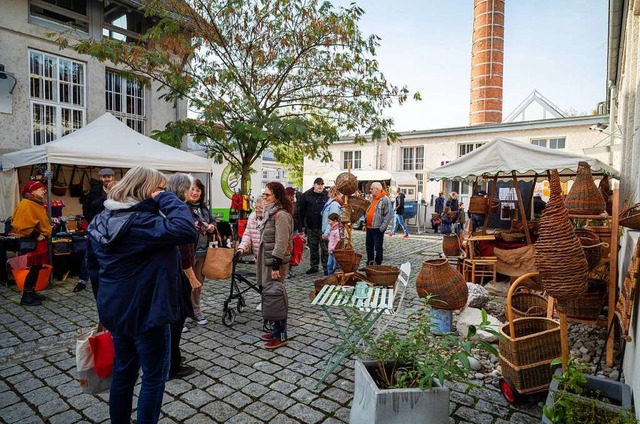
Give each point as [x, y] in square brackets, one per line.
[218, 262]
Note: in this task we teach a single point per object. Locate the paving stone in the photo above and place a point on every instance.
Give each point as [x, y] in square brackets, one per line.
[254, 390]
[196, 398]
[178, 410]
[57, 380]
[492, 408]
[262, 411]
[97, 413]
[198, 419]
[176, 387]
[17, 413]
[53, 407]
[305, 414]
[221, 411]
[304, 396]
[519, 418]
[461, 398]
[8, 398]
[238, 400]
[219, 391]
[283, 387]
[283, 419]
[40, 396]
[235, 381]
[326, 405]
[473, 416]
[280, 401]
[65, 418]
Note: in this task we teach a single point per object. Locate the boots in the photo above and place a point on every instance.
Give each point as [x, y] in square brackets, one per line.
[29, 296]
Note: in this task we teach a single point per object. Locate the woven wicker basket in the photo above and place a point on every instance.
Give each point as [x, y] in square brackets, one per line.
[478, 205]
[630, 218]
[330, 280]
[347, 183]
[592, 247]
[607, 193]
[527, 304]
[382, 275]
[358, 206]
[589, 305]
[584, 197]
[451, 244]
[438, 278]
[348, 259]
[534, 340]
[510, 237]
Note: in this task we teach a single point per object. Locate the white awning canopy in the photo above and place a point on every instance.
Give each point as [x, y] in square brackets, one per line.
[400, 178]
[504, 156]
[107, 142]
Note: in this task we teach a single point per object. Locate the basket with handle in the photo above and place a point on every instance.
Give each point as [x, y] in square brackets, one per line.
[348, 259]
[382, 275]
[630, 218]
[358, 206]
[592, 247]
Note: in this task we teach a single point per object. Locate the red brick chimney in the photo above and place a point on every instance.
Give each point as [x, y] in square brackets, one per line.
[487, 55]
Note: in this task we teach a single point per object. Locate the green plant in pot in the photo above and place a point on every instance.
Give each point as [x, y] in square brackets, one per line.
[577, 398]
[402, 379]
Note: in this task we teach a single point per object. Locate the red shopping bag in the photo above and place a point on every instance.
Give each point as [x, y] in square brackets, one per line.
[103, 353]
[298, 248]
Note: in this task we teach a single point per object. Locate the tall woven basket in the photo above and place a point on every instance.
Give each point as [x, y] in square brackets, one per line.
[591, 246]
[451, 244]
[348, 259]
[347, 183]
[358, 206]
[438, 278]
[584, 198]
[559, 257]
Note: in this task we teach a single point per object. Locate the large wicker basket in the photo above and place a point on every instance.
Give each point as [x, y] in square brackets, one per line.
[589, 305]
[584, 197]
[382, 275]
[478, 205]
[528, 304]
[348, 259]
[630, 218]
[347, 183]
[358, 206]
[592, 247]
[438, 278]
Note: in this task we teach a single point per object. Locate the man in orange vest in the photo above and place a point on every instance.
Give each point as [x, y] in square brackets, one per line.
[377, 219]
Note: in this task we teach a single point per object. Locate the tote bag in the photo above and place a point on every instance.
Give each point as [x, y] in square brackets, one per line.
[275, 303]
[217, 263]
[94, 365]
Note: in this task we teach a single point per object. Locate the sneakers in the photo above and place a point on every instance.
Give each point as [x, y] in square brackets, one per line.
[275, 343]
[259, 307]
[312, 270]
[405, 236]
[81, 285]
[182, 372]
[185, 329]
[200, 320]
[266, 337]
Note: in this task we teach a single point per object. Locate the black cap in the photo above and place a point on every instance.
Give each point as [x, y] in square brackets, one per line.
[318, 181]
[106, 171]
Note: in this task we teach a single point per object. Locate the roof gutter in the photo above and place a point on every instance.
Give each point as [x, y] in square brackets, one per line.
[616, 21]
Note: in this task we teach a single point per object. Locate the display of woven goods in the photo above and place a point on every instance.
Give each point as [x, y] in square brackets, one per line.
[559, 256]
[589, 305]
[630, 218]
[358, 207]
[348, 259]
[517, 226]
[439, 279]
[607, 193]
[330, 280]
[510, 237]
[382, 275]
[592, 247]
[478, 204]
[347, 183]
[584, 198]
[526, 355]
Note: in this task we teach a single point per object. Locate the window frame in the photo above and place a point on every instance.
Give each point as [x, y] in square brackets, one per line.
[122, 114]
[413, 161]
[72, 15]
[550, 142]
[54, 102]
[355, 159]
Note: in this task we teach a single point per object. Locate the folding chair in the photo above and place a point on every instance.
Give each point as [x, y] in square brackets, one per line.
[476, 266]
[401, 288]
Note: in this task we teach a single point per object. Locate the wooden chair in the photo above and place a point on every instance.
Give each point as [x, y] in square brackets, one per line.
[476, 266]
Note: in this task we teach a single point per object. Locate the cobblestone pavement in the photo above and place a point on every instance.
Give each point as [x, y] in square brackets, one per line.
[237, 380]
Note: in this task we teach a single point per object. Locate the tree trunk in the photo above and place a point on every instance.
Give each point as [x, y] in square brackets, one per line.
[245, 173]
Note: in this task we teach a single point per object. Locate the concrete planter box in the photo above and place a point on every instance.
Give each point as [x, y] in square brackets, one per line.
[403, 406]
[611, 389]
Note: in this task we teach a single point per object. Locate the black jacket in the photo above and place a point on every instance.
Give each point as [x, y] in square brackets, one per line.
[310, 208]
[93, 202]
[399, 205]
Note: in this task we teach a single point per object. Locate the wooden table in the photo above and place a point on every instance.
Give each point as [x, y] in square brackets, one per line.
[360, 315]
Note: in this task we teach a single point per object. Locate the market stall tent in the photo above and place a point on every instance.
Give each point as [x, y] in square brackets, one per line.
[104, 142]
[505, 156]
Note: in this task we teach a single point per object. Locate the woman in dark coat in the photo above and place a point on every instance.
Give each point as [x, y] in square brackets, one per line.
[134, 261]
[275, 250]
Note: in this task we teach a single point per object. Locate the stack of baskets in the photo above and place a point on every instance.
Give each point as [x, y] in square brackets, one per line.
[348, 259]
[557, 242]
[584, 197]
[382, 275]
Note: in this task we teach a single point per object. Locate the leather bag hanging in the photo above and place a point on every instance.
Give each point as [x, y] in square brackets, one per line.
[59, 185]
[217, 263]
[76, 190]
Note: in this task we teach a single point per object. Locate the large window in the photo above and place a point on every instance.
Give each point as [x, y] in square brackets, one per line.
[57, 96]
[413, 160]
[123, 23]
[552, 143]
[353, 158]
[125, 99]
[71, 13]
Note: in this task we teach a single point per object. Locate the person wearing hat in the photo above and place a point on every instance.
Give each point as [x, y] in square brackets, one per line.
[30, 220]
[92, 205]
[310, 219]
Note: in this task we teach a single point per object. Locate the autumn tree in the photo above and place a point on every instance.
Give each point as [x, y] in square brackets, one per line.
[287, 74]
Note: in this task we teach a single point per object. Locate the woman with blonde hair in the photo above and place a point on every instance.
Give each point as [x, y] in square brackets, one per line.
[133, 260]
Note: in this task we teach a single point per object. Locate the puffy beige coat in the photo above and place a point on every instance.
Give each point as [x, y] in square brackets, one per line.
[275, 242]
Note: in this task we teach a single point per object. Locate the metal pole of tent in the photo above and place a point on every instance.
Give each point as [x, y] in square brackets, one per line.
[50, 245]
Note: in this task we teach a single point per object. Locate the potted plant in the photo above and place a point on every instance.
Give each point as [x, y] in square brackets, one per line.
[577, 398]
[402, 379]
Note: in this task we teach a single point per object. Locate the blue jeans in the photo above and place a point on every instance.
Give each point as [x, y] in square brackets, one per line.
[331, 264]
[280, 329]
[151, 351]
[373, 242]
[399, 219]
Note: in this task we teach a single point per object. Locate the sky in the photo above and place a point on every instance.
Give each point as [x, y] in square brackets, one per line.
[557, 47]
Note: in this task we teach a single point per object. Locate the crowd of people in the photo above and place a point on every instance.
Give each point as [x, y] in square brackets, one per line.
[148, 237]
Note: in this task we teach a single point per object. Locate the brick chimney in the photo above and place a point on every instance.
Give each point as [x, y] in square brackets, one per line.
[487, 55]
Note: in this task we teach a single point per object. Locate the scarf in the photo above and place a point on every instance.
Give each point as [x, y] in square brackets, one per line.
[270, 209]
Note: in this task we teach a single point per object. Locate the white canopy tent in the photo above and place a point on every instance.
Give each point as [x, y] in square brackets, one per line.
[104, 142]
[504, 156]
[401, 178]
